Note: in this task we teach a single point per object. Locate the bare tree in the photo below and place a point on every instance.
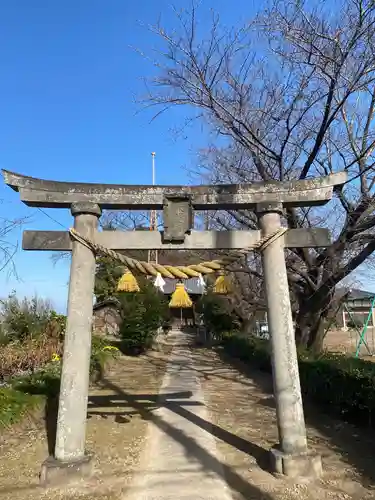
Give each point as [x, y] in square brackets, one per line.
[126, 220]
[140, 221]
[293, 95]
[7, 248]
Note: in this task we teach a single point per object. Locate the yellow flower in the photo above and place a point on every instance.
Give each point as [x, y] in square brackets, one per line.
[55, 357]
[110, 348]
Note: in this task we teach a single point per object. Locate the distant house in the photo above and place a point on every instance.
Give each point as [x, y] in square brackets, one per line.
[358, 302]
[192, 287]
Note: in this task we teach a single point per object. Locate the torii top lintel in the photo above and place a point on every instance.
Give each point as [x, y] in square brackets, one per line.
[54, 194]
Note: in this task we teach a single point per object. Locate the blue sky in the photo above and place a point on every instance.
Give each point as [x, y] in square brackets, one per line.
[68, 81]
[67, 110]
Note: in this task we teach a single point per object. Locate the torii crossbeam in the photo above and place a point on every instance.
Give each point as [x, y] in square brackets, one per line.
[54, 194]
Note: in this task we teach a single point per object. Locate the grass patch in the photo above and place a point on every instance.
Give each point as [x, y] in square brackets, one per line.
[15, 405]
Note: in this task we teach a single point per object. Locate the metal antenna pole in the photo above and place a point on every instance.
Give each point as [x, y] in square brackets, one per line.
[153, 168]
[153, 254]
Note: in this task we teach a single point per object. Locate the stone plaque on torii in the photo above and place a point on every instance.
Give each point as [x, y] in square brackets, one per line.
[86, 201]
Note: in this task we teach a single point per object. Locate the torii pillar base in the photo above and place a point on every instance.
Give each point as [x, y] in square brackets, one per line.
[55, 472]
[301, 465]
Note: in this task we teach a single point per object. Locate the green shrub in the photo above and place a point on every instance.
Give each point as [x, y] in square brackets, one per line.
[343, 386]
[354, 322]
[4, 339]
[28, 319]
[14, 405]
[46, 380]
[45, 383]
[101, 353]
[31, 332]
[107, 274]
[24, 392]
[166, 317]
[143, 313]
[250, 350]
[217, 315]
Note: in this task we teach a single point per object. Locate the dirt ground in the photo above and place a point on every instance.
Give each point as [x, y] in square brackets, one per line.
[243, 423]
[338, 340]
[116, 447]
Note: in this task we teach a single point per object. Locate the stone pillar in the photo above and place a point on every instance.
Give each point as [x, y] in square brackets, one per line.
[70, 458]
[291, 456]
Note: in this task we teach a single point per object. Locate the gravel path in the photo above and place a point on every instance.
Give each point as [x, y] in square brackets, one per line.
[180, 461]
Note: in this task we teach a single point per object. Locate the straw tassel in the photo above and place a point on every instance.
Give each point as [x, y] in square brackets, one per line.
[222, 285]
[128, 283]
[180, 298]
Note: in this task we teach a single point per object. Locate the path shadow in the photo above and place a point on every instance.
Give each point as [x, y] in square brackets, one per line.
[260, 455]
[207, 372]
[48, 387]
[128, 405]
[145, 404]
[50, 422]
[355, 445]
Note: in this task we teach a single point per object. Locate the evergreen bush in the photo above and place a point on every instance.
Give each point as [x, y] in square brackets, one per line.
[143, 313]
[218, 317]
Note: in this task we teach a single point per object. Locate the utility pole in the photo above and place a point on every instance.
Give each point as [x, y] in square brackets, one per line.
[153, 254]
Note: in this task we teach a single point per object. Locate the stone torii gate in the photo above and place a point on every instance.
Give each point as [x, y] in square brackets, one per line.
[86, 201]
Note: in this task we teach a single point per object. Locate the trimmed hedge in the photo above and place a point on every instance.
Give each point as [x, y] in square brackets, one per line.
[342, 386]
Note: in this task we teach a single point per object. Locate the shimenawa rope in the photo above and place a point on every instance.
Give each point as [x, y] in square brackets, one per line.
[180, 272]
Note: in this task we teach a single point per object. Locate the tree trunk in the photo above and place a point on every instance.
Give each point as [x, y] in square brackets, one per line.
[310, 329]
[248, 325]
[311, 320]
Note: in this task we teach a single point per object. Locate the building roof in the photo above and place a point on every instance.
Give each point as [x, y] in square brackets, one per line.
[192, 286]
[105, 303]
[355, 294]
